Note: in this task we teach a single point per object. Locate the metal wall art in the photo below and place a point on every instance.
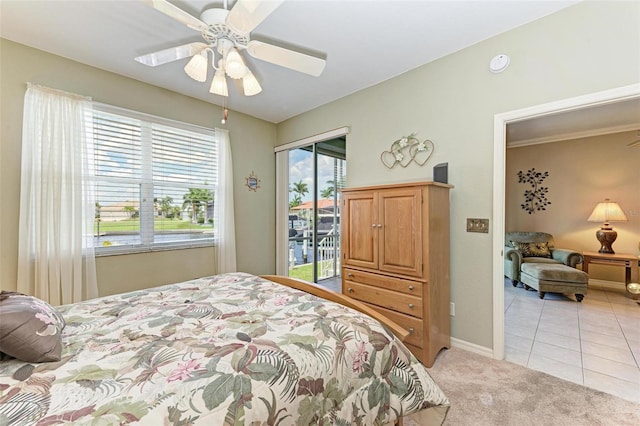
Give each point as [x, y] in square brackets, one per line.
[406, 150]
[535, 199]
[253, 183]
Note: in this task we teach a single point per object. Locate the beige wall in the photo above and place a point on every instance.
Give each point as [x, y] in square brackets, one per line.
[252, 142]
[582, 172]
[586, 48]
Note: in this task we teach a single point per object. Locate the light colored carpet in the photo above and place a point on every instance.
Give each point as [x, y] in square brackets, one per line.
[484, 391]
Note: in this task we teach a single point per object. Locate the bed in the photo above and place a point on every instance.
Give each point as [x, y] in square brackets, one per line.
[232, 349]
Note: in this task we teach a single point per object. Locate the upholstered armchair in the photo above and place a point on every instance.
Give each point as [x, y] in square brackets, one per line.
[522, 247]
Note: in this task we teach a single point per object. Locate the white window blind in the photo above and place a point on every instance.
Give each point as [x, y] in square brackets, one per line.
[155, 182]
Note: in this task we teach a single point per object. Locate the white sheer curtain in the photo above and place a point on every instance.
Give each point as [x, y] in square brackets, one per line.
[223, 208]
[55, 255]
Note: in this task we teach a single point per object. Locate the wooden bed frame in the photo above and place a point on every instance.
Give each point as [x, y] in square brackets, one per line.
[340, 298]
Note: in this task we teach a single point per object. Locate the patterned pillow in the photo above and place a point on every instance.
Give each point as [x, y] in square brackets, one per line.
[30, 329]
[540, 249]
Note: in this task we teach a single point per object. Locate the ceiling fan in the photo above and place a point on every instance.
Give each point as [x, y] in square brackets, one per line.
[226, 33]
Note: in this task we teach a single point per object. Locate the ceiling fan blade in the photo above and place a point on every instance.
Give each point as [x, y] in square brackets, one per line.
[178, 14]
[286, 58]
[246, 15]
[172, 54]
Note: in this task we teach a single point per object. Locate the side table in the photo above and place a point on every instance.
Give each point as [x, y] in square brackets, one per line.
[629, 261]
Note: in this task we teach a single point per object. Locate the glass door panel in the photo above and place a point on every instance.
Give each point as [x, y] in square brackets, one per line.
[301, 213]
[316, 174]
[330, 180]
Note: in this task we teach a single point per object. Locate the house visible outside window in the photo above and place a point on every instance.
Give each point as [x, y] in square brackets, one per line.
[155, 182]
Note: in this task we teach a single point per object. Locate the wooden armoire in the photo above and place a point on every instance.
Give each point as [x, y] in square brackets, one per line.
[395, 258]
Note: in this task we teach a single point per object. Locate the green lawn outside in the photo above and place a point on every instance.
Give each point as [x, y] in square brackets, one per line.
[303, 272]
[160, 224]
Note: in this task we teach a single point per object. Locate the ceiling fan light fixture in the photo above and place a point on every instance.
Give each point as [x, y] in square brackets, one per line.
[250, 84]
[225, 32]
[219, 83]
[235, 65]
[196, 68]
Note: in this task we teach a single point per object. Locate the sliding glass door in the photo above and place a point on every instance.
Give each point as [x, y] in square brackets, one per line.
[316, 173]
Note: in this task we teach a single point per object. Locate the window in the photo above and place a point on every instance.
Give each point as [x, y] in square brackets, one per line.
[155, 182]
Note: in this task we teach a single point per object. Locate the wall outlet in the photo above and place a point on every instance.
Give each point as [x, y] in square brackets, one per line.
[478, 225]
[452, 309]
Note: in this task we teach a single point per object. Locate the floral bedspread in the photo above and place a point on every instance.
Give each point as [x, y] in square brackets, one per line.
[233, 349]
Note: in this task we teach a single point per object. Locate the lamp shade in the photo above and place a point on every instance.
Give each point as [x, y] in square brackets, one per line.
[196, 68]
[219, 83]
[250, 84]
[235, 65]
[607, 211]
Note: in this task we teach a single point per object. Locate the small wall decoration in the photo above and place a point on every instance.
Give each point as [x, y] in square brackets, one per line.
[253, 183]
[406, 150]
[534, 199]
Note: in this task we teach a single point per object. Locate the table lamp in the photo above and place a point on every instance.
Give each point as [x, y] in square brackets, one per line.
[607, 211]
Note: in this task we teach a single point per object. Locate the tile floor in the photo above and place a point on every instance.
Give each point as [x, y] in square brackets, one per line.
[595, 343]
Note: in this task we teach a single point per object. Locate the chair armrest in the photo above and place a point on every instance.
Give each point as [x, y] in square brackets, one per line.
[513, 255]
[512, 262]
[568, 257]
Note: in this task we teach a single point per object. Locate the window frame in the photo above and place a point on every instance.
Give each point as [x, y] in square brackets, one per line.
[146, 186]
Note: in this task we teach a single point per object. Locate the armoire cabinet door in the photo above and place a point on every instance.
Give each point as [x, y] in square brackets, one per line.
[399, 213]
[360, 231]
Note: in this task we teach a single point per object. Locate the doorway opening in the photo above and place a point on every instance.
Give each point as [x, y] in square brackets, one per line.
[501, 121]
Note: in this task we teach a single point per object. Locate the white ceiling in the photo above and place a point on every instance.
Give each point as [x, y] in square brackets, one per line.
[608, 118]
[364, 41]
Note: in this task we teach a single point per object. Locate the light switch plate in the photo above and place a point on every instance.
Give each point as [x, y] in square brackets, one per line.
[478, 225]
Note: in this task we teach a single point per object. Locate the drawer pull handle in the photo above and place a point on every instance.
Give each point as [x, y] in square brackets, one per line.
[410, 288]
[379, 225]
[350, 274]
[373, 225]
[410, 305]
[412, 330]
[350, 290]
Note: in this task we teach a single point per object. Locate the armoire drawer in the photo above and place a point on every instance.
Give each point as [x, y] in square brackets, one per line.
[393, 300]
[389, 283]
[412, 324]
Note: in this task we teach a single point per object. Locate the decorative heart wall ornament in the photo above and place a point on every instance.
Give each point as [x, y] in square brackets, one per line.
[407, 149]
[422, 151]
[388, 159]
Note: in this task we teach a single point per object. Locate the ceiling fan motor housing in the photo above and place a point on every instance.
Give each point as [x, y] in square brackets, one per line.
[218, 33]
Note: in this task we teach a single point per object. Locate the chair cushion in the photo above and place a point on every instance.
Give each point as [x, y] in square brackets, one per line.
[554, 272]
[539, 260]
[532, 249]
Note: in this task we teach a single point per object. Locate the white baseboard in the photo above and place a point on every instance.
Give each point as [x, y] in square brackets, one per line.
[614, 285]
[471, 347]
